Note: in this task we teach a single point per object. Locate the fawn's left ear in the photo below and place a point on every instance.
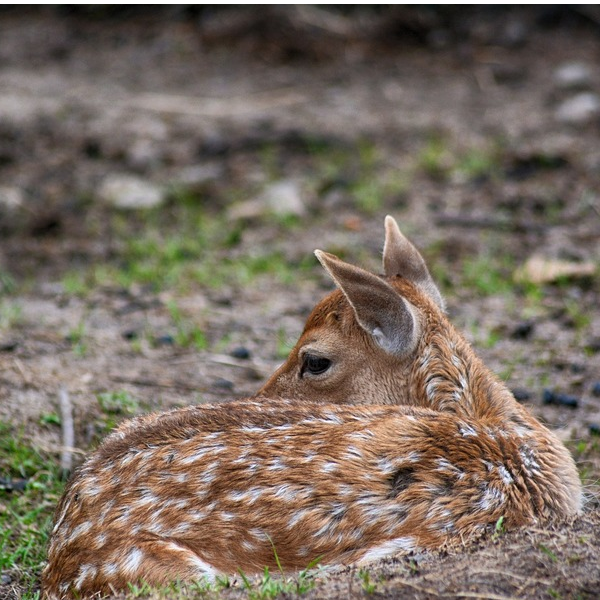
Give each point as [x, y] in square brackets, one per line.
[400, 257]
[378, 307]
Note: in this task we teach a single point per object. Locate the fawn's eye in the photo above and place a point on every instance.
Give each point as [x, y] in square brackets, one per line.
[314, 365]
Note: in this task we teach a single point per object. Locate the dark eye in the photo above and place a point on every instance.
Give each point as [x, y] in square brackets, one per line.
[315, 365]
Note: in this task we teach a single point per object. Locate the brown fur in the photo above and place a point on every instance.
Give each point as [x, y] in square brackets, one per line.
[402, 439]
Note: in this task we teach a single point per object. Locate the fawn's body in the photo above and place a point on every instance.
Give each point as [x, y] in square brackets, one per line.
[437, 450]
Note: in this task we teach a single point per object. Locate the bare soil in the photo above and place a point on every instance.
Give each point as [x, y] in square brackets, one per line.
[225, 111]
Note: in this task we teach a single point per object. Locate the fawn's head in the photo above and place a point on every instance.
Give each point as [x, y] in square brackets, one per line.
[361, 342]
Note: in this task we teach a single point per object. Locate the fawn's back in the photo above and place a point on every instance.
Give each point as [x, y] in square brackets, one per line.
[382, 433]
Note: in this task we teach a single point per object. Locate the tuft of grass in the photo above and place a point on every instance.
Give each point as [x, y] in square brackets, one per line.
[7, 283]
[51, 418]
[441, 161]
[115, 406]
[476, 163]
[11, 315]
[30, 485]
[368, 585]
[118, 403]
[498, 529]
[76, 283]
[578, 315]
[435, 158]
[267, 586]
[553, 558]
[187, 333]
[488, 275]
[76, 337]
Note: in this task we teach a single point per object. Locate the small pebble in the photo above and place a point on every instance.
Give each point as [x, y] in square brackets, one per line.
[13, 485]
[130, 334]
[596, 389]
[164, 340]
[521, 394]
[593, 345]
[223, 384]
[550, 397]
[523, 330]
[594, 428]
[241, 352]
[8, 346]
[579, 109]
[573, 75]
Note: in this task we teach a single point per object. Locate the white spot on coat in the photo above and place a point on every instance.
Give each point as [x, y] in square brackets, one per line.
[132, 563]
[402, 544]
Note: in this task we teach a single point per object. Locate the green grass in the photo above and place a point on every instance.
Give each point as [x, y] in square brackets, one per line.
[119, 403]
[368, 585]
[188, 250]
[114, 407]
[187, 333]
[498, 529]
[77, 337]
[267, 586]
[489, 275]
[25, 514]
[441, 160]
[11, 314]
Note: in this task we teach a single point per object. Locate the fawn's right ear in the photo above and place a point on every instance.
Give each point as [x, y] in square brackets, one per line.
[378, 307]
[400, 257]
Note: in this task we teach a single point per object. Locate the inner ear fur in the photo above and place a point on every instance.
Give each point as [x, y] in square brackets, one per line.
[378, 307]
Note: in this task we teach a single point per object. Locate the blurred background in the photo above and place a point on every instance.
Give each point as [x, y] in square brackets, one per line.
[167, 172]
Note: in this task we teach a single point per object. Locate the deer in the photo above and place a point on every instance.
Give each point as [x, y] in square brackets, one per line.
[382, 433]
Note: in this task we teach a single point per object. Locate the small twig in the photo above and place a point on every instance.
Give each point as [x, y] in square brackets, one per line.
[213, 107]
[22, 371]
[483, 596]
[155, 383]
[594, 208]
[173, 385]
[525, 578]
[68, 431]
[459, 220]
[457, 594]
[223, 359]
[55, 449]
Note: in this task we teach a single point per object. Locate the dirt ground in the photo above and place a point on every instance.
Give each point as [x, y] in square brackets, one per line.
[458, 127]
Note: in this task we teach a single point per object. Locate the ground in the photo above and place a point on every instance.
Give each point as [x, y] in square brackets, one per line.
[255, 145]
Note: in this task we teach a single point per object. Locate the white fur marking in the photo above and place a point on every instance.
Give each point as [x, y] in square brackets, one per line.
[403, 544]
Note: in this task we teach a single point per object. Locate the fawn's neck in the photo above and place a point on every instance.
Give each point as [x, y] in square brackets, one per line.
[449, 377]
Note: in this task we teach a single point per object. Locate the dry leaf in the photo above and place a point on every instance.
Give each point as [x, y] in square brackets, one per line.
[539, 269]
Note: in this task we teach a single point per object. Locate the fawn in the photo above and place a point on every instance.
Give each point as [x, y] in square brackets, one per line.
[381, 433]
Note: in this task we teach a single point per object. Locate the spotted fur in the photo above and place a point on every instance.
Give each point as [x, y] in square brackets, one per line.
[404, 441]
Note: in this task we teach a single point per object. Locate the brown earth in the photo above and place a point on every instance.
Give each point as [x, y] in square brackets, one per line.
[224, 112]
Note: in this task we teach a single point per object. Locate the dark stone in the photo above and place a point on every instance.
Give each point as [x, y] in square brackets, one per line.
[223, 384]
[558, 399]
[164, 340]
[8, 346]
[521, 394]
[523, 330]
[241, 352]
[593, 345]
[596, 389]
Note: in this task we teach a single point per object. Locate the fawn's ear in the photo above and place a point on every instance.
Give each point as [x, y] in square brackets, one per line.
[378, 307]
[400, 257]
